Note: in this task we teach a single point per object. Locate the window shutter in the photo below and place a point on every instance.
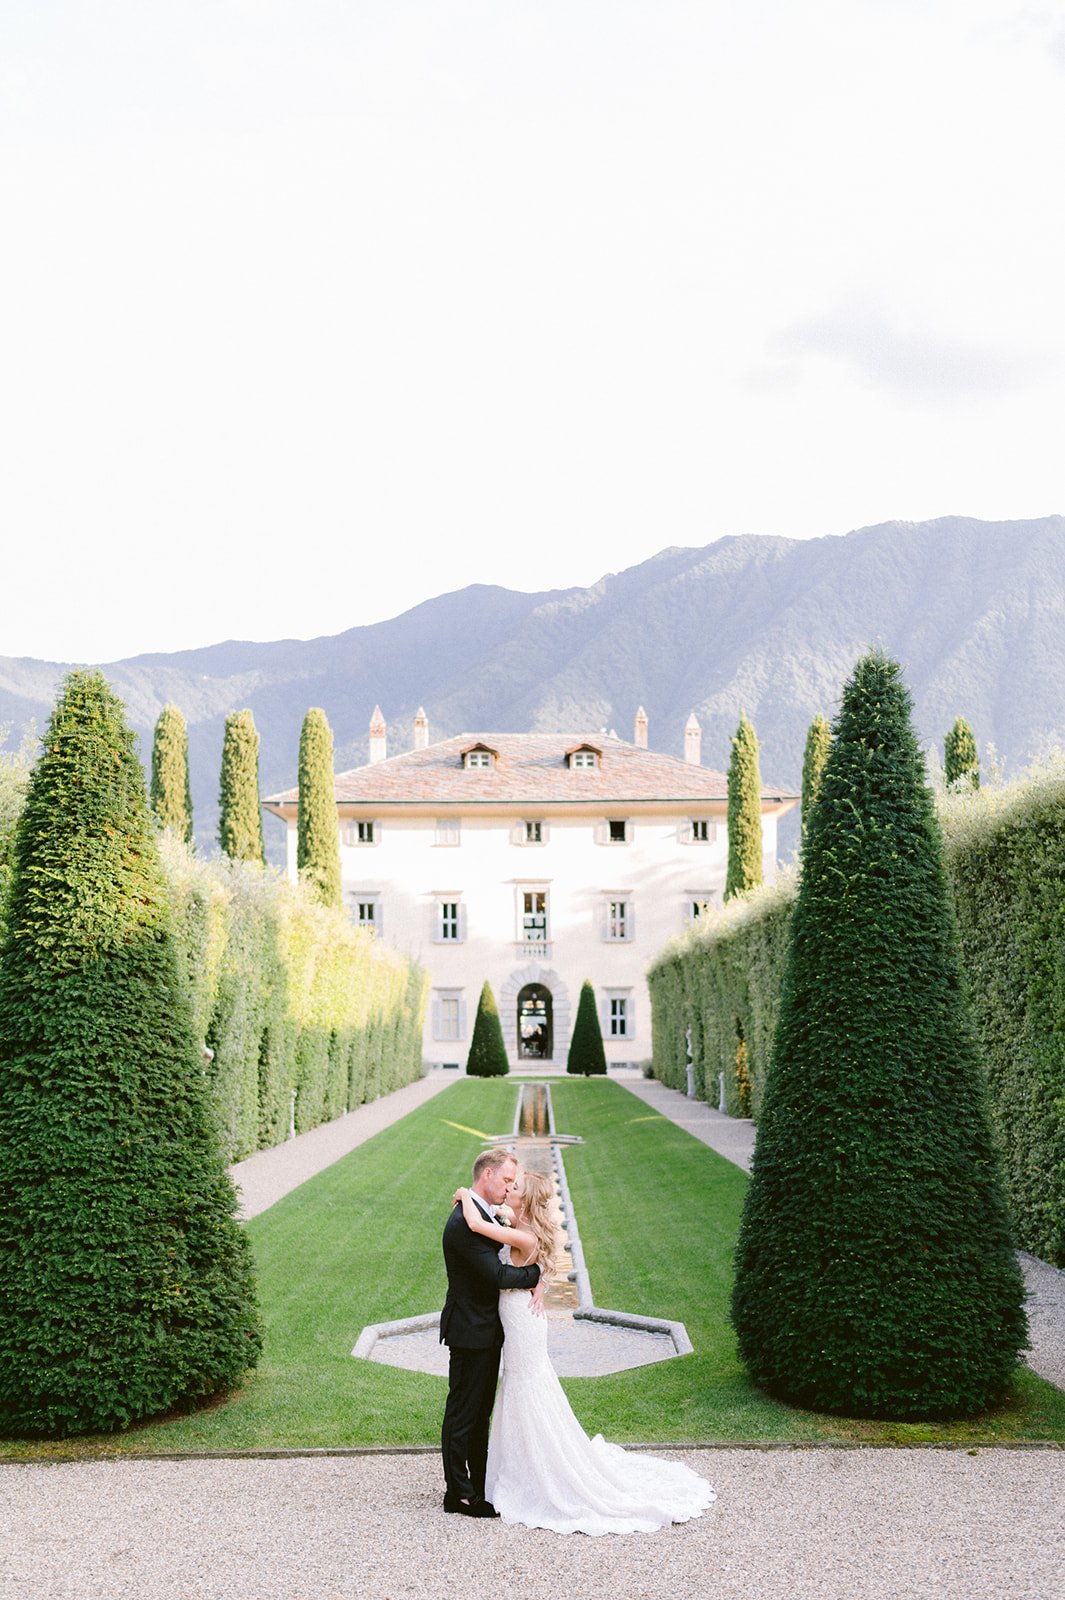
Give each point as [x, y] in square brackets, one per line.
[684, 831]
[462, 921]
[602, 832]
[545, 832]
[462, 1019]
[438, 921]
[630, 920]
[517, 833]
[436, 1016]
[378, 918]
[630, 1017]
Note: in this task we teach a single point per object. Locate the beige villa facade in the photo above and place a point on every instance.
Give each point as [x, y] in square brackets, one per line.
[535, 861]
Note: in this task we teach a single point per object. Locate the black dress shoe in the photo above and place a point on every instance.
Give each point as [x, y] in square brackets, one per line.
[470, 1508]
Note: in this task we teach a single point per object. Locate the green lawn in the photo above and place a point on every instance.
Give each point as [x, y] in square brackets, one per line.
[361, 1243]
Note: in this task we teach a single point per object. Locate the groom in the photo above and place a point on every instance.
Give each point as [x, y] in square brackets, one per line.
[470, 1327]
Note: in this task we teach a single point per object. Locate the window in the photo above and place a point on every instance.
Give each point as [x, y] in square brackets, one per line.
[697, 830]
[534, 916]
[530, 832]
[699, 904]
[364, 909]
[448, 830]
[618, 920]
[613, 830]
[478, 758]
[582, 758]
[449, 1014]
[361, 832]
[450, 921]
[620, 1022]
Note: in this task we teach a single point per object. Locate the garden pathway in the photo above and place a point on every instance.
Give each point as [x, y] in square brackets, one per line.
[734, 1139]
[269, 1175]
[821, 1524]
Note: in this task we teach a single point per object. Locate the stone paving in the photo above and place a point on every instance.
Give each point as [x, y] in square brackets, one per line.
[577, 1349]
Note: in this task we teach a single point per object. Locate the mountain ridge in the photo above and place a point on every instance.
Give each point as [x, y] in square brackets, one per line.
[974, 610]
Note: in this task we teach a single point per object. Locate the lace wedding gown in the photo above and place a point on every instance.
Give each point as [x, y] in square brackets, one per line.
[545, 1472]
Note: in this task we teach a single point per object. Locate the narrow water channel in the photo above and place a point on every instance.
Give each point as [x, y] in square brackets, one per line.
[534, 1150]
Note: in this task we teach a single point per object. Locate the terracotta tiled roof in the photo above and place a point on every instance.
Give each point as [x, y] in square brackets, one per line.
[529, 768]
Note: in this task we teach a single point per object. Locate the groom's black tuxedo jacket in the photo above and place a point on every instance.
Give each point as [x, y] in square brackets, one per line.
[475, 1275]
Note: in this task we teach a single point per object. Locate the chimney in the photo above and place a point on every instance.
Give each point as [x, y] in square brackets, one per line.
[693, 741]
[639, 738]
[421, 729]
[378, 736]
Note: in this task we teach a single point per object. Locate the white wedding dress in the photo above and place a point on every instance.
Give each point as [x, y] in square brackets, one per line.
[545, 1472]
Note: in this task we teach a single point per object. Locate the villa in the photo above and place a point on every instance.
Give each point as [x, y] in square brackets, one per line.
[535, 860]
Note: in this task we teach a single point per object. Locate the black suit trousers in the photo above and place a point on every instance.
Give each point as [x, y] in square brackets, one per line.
[472, 1378]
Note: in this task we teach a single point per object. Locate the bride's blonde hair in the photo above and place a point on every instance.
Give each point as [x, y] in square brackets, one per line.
[537, 1194]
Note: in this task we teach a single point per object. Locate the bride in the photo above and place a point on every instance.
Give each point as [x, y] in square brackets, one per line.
[543, 1470]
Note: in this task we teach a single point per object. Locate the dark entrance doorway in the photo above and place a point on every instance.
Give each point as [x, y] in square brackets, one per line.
[534, 1023]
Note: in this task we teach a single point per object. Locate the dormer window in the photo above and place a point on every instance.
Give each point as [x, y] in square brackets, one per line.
[478, 757]
[584, 755]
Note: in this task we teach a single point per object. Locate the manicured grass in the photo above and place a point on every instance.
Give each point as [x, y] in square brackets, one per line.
[360, 1243]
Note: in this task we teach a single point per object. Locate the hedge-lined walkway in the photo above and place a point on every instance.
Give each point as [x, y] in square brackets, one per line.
[269, 1175]
[733, 1138]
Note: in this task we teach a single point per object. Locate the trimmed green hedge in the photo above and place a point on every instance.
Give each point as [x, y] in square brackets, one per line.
[722, 979]
[1005, 853]
[291, 998]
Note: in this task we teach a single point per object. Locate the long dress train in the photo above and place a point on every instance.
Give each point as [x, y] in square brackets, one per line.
[545, 1472]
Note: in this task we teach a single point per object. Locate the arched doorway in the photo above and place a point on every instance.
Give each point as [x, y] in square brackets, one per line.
[534, 1023]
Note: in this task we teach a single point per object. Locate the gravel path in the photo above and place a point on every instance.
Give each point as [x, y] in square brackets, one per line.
[787, 1525]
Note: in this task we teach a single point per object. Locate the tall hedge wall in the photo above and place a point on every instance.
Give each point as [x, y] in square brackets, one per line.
[1005, 850]
[291, 998]
[722, 980]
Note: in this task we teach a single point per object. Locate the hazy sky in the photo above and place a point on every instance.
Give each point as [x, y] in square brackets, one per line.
[311, 309]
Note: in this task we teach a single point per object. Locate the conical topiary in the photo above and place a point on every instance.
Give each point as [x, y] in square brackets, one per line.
[488, 1053]
[125, 1281]
[818, 743]
[874, 1273]
[586, 1053]
[317, 831]
[744, 870]
[240, 822]
[171, 795]
[961, 762]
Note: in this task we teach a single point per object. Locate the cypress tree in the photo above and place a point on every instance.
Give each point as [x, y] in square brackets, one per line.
[744, 812]
[125, 1280]
[170, 793]
[240, 826]
[488, 1053]
[874, 1272]
[818, 743]
[960, 760]
[317, 832]
[586, 1053]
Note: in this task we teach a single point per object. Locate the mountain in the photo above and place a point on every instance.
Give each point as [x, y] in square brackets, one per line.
[975, 611]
